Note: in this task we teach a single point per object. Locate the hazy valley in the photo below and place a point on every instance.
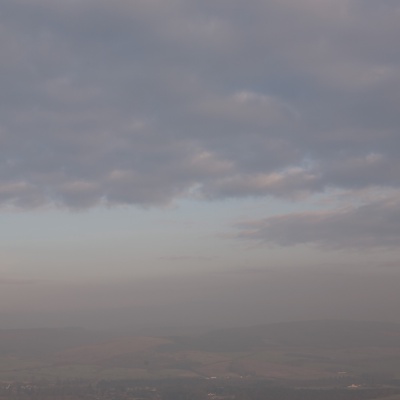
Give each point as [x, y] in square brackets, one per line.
[331, 351]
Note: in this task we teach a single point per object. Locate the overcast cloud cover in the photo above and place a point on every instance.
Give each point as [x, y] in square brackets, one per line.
[149, 101]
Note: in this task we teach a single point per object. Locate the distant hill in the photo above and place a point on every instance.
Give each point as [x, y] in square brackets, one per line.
[111, 349]
[42, 342]
[306, 333]
[35, 342]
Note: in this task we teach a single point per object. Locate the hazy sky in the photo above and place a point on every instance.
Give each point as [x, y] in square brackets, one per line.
[196, 161]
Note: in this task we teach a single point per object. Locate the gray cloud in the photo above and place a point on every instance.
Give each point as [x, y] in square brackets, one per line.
[373, 225]
[147, 101]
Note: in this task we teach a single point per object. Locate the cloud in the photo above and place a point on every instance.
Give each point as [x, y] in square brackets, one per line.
[148, 101]
[368, 226]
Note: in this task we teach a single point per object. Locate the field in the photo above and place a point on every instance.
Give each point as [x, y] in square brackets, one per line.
[342, 353]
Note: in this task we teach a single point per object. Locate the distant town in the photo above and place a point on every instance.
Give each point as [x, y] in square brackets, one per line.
[197, 389]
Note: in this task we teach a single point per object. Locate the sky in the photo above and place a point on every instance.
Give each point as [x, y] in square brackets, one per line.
[192, 162]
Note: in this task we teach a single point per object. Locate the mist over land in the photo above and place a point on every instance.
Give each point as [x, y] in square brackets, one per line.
[226, 298]
[328, 355]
